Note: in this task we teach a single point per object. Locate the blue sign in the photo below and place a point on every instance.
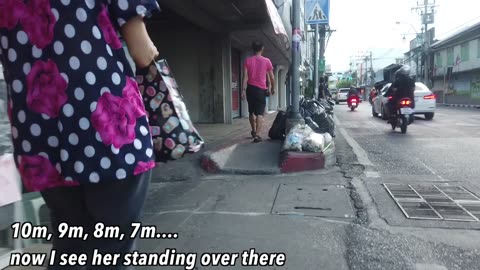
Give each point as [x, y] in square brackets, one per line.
[317, 11]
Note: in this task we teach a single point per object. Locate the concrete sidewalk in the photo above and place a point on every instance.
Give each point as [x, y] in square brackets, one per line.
[305, 216]
[216, 136]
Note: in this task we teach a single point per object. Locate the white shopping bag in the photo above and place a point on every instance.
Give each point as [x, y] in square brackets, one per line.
[10, 185]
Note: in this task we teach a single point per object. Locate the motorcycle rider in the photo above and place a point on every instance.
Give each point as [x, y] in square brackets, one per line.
[351, 94]
[402, 87]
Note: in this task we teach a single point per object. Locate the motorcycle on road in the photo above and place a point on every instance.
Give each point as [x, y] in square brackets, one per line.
[403, 115]
[353, 102]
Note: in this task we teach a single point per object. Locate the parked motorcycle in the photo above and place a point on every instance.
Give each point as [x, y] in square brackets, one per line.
[403, 115]
[353, 102]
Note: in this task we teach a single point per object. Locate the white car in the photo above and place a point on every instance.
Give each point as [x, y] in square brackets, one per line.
[342, 95]
[1, 73]
[425, 101]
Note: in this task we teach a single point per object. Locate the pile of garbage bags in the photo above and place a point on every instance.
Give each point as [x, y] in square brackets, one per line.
[315, 135]
[318, 115]
[302, 138]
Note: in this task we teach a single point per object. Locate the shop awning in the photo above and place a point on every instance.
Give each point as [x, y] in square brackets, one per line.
[244, 20]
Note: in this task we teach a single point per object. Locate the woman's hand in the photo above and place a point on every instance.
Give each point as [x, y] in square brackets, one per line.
[139, 44]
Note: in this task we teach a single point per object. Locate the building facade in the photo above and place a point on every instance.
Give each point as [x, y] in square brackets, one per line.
[206, 44]
[456, 69]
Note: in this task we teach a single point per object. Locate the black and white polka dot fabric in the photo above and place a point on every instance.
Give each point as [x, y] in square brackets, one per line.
[76, 112]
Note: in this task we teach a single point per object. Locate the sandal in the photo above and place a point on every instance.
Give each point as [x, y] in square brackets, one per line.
[257, 139]
[254, 134]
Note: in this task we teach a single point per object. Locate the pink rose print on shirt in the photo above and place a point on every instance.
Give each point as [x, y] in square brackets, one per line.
[38, 173]
[46, 89]
[132, 93]
[39, 22]
[10, 13]
[108, 30]
[115, 121]
[143, 167]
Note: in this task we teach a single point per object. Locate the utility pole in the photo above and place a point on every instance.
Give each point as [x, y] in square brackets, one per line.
[372, 73]
[366, 71]
[427, 18]
[315, 63]
[322, 54]
[295, 117]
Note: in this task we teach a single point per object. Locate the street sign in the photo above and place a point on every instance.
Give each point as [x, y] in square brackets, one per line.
[321, 65]
[428, 18]
[317, 11]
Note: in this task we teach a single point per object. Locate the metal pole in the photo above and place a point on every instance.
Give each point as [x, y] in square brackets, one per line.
[315, 62]
[322, 55]
[296, 56]
[295, 117]
[426, 44]
[322, 46]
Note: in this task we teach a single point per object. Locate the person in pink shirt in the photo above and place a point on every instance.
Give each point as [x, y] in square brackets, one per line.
[256, 70]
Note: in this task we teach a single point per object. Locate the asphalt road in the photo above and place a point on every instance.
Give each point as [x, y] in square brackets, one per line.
[446, 148]
[440, 152]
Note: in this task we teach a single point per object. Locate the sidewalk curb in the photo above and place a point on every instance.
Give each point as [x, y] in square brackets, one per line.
[462, 106]
[290, 162]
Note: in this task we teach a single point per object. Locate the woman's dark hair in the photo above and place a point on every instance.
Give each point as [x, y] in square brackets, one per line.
[257, 46]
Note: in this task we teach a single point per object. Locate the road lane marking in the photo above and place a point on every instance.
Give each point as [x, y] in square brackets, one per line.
[430, 169]
[357, 149]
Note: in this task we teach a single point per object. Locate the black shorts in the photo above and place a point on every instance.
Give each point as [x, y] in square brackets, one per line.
[256, 98]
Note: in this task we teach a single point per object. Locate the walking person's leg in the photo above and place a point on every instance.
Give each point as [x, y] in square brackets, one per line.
[251, 110]
[117, 204]
[253, 120]
[261, 102]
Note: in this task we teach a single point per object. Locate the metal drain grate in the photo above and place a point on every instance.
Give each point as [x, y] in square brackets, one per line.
[454, 203]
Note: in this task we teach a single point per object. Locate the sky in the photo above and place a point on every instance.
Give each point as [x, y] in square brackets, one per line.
[370, 25]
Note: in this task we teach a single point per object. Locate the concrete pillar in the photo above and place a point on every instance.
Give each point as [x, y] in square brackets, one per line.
[227, 79]
[273, 100]
[282, 82]
[244, 56]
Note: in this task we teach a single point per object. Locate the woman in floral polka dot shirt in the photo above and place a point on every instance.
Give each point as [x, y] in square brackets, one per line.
[79, 128]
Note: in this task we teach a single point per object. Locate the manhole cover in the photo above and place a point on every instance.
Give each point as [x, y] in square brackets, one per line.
[313, 200]
[454, 203]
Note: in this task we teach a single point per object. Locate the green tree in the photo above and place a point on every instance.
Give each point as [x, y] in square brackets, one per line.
[344, 83]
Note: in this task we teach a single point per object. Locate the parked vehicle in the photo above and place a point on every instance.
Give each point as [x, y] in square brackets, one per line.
[402, 116]
[353, 102]
[425, 101]
[342, 95]
[1, 73]
[334, 93]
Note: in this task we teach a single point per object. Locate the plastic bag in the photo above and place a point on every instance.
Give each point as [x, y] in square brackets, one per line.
[309, 121]
[294, 139]
[315, 142]
[312, 108]
[328, 138]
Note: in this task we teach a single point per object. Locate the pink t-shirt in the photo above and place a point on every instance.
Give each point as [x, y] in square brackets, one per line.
[257, 69]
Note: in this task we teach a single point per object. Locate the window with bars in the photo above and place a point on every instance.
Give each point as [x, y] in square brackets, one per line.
[450, 59]
[478, 48]
[438, 59]
[465, 51]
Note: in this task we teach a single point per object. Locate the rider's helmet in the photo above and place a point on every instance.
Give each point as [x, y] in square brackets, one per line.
[403, 72]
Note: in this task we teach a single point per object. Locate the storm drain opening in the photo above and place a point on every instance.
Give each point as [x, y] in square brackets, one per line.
[435, 202]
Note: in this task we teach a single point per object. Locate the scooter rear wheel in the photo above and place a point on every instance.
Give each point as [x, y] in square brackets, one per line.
[404, 125]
